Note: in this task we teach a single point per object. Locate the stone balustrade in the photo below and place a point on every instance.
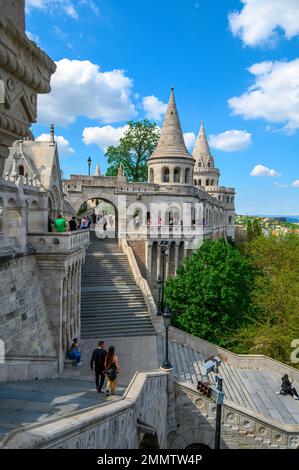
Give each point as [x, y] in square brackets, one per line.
[59, 243]
[196, 414]
[119, 424]
[258, 361]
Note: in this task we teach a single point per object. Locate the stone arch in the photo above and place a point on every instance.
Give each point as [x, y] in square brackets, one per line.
[166, 175]
[177, 175]
[34, 204]
[11, 202]
[189, 437]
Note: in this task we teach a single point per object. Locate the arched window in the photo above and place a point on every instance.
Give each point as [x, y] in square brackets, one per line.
[21, 170]
[177, 175]
[207, 182]
[219, 197]
[195, 183]
[230, 220]
[199, 182]
[187, 175]
[199, 164]
[227, 199]
[232, 200]
[209, 164]
[212, 182]
[151, 175]
[165, 177]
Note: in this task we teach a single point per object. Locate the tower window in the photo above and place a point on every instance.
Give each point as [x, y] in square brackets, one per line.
[177, 175]
[21, 170]
[165, 177]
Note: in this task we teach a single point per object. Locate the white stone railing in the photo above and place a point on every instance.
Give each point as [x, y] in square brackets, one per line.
[235, 360]
[59, 242]
[240, 428]
[108, 426]
[144, 287]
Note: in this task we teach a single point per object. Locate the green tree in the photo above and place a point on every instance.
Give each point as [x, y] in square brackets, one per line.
[275, 298]
[210, 295]
[133, 151]
[82, 210]
[254, 228]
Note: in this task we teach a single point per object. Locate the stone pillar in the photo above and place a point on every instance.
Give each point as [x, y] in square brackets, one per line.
[149, 262]
[69, 307]
[64, 314]
[52, 271]
[176, 257]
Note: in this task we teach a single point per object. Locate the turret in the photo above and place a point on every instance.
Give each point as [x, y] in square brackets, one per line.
[171, 163]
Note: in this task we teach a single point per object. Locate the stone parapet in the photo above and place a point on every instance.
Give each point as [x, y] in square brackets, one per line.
[59, 243]
[117, 425]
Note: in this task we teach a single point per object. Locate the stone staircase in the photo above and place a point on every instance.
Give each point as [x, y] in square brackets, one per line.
[111, 302]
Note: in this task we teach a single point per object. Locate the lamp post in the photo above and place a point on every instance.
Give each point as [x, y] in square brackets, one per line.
[213, 390]
[166, 318]
[89, 164]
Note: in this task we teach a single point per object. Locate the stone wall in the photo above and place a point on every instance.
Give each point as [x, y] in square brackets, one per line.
[195, 421]
[23, 317]
[14, 10]
[139, 250]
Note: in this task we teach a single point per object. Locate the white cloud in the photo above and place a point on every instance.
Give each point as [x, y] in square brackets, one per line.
[274, 96]
[261, 170]
[295, 184]
[154, 108]
[103, 136]
[79, 88]
[63, 144]
[190, 139]
[51, 5]
[230, 141]
[32, 37]
[259, 21]
[281, 186]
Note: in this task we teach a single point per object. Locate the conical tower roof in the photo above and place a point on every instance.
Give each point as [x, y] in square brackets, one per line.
[202, 150]
[97, 171]
[201, 147]
[171, 142]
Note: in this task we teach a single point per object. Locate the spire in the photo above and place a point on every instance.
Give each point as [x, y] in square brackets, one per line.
[52, 135]
[201, 148]
[97, 171]
[171, 142]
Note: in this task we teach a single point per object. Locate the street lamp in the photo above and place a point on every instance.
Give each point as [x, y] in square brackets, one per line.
[166, 318]
[164, 253]
[213, 390]
[89, 164]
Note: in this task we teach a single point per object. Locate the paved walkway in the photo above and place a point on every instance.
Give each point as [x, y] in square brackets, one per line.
[23, 403]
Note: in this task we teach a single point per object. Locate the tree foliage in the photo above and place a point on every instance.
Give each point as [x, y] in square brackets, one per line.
[133, 151]
[210, 295]
[274, 319]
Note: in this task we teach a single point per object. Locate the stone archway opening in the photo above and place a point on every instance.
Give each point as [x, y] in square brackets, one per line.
[198, 446]
[103, 215]
[149, 441]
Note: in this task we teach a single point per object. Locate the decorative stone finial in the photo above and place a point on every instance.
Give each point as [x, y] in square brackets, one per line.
[52, 135]
[120, 171]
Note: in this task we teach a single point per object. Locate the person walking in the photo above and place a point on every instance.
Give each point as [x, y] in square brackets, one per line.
[112, 367]
[98, 359]
[287, 387]
[60, 224]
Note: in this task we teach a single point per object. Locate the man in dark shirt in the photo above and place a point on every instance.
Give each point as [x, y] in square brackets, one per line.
[98, 358]
[73, 224]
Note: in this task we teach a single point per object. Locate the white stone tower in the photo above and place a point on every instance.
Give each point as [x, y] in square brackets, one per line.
[205, 173]
[171, 163]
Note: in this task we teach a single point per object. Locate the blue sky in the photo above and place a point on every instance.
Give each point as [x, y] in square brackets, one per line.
[234, 64]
